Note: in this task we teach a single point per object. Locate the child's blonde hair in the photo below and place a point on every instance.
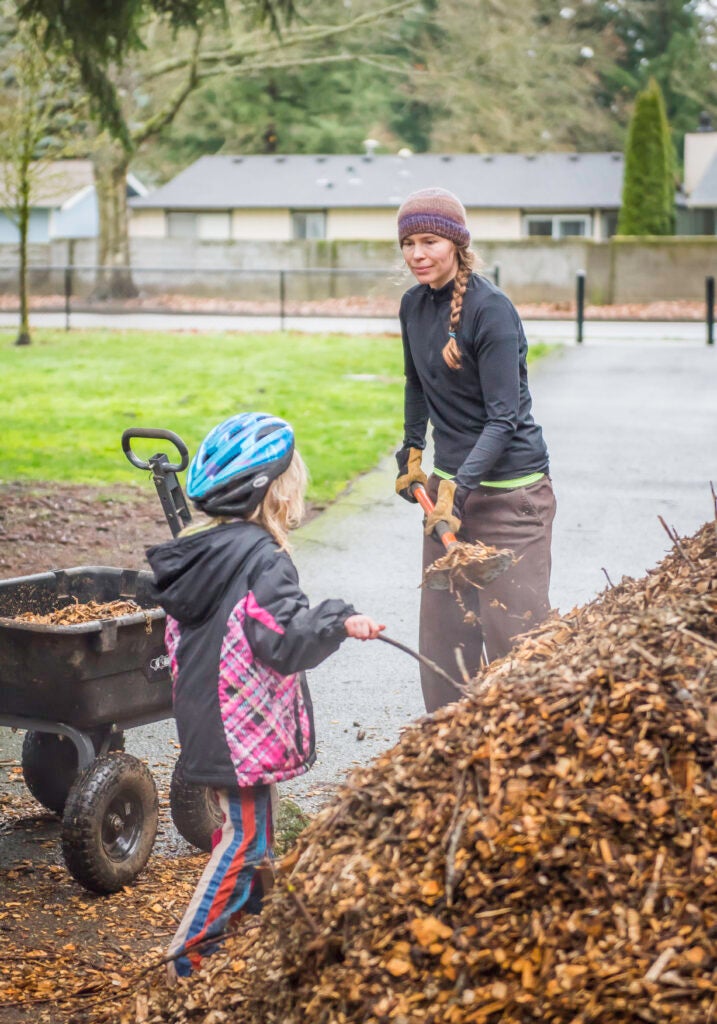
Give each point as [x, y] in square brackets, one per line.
[282, 507]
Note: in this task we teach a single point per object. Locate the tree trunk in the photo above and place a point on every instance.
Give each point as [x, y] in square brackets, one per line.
[114, 275]
[23, 223]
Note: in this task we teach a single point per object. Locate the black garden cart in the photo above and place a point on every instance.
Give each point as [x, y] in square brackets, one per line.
[76, 689]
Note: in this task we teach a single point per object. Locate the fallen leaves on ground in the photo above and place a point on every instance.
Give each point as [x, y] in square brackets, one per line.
[67, 953]
[360, 306]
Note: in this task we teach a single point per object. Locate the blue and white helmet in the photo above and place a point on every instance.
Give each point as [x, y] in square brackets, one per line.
[236, 462]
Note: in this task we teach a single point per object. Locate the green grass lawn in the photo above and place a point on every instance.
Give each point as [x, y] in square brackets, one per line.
[66, 398]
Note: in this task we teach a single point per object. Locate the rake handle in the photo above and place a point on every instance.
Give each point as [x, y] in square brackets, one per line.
[460, 687]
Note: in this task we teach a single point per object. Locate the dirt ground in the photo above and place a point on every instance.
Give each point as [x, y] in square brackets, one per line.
[66, 952]
[59, 526]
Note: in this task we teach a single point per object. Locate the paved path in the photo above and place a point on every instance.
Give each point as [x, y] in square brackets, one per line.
[632, 431]
[552, 331]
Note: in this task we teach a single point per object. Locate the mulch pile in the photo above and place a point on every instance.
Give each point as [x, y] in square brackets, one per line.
[545, 849]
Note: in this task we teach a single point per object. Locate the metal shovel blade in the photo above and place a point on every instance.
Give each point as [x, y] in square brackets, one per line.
[466, 564]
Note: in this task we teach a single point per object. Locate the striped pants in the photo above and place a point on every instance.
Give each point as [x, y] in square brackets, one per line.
[230, 883]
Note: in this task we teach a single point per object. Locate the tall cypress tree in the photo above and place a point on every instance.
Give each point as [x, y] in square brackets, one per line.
[648, 192]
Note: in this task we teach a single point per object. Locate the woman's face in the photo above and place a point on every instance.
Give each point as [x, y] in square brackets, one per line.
[431, 259]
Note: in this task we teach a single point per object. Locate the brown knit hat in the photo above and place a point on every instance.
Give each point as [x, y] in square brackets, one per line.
[434, 211]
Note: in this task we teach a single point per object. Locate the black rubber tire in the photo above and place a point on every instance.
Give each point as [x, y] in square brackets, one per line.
[195, 811]
[49, 765]
[110, 822]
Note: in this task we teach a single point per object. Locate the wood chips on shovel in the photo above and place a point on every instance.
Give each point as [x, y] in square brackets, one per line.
[467, 564]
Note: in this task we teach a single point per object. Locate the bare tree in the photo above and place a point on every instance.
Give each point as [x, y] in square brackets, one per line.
[38, 125]
[153, 92]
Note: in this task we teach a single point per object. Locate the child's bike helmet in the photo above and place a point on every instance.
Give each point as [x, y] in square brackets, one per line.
[236, 462]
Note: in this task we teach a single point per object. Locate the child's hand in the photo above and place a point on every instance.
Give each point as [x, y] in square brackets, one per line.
[361, 627]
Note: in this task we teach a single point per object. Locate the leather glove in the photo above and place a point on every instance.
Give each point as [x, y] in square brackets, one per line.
[409, 471]
[459, 500]
[443, 509]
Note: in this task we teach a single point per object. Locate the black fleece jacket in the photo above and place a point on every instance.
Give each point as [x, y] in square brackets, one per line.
[483, 427]
[204, 582]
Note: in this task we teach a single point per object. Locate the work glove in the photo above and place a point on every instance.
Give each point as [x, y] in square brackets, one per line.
[409, 471]
[443, 510]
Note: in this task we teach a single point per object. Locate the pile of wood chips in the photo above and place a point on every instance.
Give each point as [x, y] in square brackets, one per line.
[543, 850]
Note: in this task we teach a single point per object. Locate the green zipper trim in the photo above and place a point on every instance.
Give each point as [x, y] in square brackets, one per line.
[519, 481]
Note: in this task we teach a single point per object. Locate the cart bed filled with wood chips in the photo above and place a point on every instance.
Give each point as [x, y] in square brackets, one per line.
[543, 850]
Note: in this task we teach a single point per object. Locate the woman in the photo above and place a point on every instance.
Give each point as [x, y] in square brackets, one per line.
[465, 355]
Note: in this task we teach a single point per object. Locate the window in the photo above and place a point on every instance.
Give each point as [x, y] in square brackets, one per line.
[558, 225]
[571, 228]
[308, 224]
[536, 227]
[182, 225]
[609, 223]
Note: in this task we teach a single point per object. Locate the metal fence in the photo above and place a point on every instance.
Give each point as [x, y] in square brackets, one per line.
[327, 292]
[280, 294]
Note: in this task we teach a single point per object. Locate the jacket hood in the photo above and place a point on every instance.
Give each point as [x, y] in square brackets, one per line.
[192, 573]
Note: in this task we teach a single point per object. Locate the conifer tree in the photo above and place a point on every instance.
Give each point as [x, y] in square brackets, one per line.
[648, 192]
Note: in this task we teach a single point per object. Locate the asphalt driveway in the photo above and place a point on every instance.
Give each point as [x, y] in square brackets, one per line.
[632, 432]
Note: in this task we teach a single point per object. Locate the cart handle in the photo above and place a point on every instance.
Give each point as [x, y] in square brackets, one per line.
[152, 432]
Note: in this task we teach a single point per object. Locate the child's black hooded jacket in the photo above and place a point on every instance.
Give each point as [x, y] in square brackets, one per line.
[239, 634]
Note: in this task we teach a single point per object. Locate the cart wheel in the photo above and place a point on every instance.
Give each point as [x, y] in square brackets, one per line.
[110, 822]
[195, 811]
[49, 765]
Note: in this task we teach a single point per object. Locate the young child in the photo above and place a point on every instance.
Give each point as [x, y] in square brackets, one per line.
[239, 634]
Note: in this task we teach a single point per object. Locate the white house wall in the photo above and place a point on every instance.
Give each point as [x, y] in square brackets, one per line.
[261, 225]
[494, 224]
[362, 224]
[147, 224]
[700, 150]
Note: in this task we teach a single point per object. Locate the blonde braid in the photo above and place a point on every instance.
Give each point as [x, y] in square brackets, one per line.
[466, 261]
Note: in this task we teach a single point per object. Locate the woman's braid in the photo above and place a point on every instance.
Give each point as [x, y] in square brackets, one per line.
[451, 352]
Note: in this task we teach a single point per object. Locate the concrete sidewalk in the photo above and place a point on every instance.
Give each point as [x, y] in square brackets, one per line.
[632, 433]
[561, 332]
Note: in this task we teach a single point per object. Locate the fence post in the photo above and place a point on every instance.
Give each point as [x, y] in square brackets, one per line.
[580, 305]
[68, 295]
[282, 298]
[496, 274]
[710, 297]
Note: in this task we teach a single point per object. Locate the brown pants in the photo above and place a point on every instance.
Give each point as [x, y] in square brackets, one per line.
[519, 519]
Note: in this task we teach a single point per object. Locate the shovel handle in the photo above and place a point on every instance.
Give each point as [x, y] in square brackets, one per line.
[446, 536]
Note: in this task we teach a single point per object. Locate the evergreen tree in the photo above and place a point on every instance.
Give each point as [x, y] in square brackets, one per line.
[673, 41]
[649, 183]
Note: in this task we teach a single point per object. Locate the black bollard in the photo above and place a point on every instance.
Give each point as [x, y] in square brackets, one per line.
[68, 296]
[580, 305]
[710, 298]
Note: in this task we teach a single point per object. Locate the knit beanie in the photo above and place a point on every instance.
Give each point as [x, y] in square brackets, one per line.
[434, 211]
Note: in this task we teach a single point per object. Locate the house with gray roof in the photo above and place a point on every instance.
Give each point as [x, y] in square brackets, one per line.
[355, 197]
[697, 205]
[63, 202]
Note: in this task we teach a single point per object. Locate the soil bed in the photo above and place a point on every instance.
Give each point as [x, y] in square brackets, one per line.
[60, 526]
